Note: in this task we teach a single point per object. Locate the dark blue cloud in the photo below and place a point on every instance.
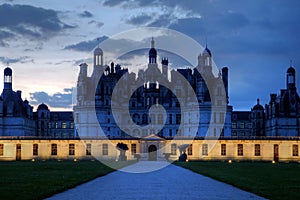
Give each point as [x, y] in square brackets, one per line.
[30, 21]
[86, 45]
[23, 59]
[57, 100]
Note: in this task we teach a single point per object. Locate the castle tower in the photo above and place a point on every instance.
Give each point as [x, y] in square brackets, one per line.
[164, 64]
[258, 120]
[152, 53]
[7, 78]
[291, 78]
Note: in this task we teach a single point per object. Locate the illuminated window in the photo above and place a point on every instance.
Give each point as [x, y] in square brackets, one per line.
[190, 150]
[257, 150]
[71, 125]
[71, 149]
[53, 149]
[56, 125]
[133, 149]
[223, 149]
[35, 149]
[49, 125]
[240, 150]
[173, 149]
[295, 150]
[1, 149]
[64, 125]
[88, 151]
[204, 149]
[104, 149]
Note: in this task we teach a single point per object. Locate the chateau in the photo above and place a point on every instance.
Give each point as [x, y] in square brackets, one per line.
[157, 114]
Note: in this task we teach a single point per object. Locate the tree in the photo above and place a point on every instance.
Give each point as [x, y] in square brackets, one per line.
[122, 148]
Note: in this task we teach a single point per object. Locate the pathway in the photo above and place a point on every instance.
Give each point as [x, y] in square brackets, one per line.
[171, 182]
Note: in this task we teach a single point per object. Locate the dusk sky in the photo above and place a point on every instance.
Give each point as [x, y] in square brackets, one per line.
[45, 41]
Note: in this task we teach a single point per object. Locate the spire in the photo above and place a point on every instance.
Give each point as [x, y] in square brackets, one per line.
[258, 101]
[152, 43]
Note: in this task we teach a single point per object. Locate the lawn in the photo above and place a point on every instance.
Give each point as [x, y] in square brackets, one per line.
[272, 181]
[41, 179]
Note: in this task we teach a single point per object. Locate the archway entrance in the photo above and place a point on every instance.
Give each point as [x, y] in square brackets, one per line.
[152, 153]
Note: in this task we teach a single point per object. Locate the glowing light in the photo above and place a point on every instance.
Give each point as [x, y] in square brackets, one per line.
[75, 160]
[273, 162]
[187, 160]
[33, 160]
[229, 161]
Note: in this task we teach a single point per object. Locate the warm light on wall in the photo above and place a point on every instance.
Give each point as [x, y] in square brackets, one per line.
[229, 161]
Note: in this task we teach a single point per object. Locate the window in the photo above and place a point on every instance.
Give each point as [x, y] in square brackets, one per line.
[108, 120]
[108, 128]
[56, 125]
[160, 119]
[233, 125]
[1, 149]
[35, 149]
[170, 119]
[223, 149]
[71, 125]
[190, 150]
[133, 149]
[205, 149]
[88, 151]
[257, 150]
[215, 132]
[222, 117]
[64, 125]
[240, 150]
[77, 117]
[173, 149]
[242, 125]
[233, 133]
[71, 149]
[152, 117]
[215, 117]
[53, 149]
[295, 150]
[177, 118]
[170, 132]
[144, 119]
[104, 149]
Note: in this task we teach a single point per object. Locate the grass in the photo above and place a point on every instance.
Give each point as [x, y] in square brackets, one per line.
[272, 181]
[41, 179]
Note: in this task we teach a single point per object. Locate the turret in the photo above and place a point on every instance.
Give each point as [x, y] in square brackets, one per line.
[164, 64]
[152, 53]
[225, 80]
[291, 78]
[7, 78]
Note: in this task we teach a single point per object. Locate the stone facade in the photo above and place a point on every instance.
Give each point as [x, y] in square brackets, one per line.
[151, 87]
[199, 149]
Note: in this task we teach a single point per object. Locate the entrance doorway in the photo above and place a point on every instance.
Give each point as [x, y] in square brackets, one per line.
[276, 152]
[152, 153]
[18, 152]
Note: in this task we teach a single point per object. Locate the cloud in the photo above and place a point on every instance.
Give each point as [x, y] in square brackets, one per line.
[57, 100]
[141, 19]
[29, 21]
[86, 45]
[86, 14]
[98, 24]
[23, 59]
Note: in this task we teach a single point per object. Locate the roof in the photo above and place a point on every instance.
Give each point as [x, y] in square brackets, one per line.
[42, 107]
